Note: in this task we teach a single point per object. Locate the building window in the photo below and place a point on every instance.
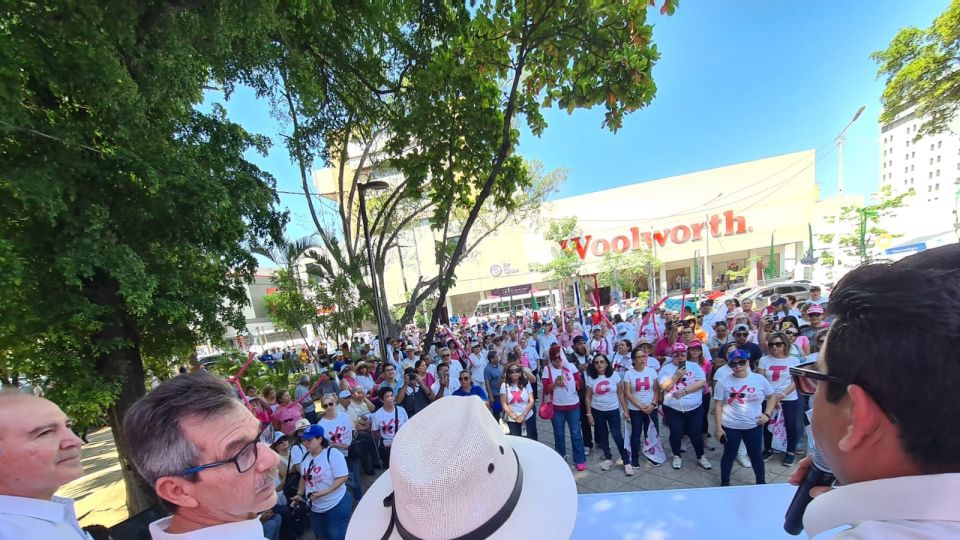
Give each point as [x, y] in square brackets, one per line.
[929, 189]
[938, 172]
[936, 186]
[931, 146]
[939, 144]
[911, 167]
[930, 174]
[913, 154]
[931, 161]
[938, 159]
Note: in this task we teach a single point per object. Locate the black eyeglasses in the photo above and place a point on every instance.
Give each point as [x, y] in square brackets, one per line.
[737, 363]
[243, 460]
[776, 344]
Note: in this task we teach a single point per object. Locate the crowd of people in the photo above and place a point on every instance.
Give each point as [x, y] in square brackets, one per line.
[748, 367]
[641, 369]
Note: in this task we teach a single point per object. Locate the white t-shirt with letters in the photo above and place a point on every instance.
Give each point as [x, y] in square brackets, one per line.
[641, 385]
[742, 399]
[604, 392]
[778, 373]
[690, 401]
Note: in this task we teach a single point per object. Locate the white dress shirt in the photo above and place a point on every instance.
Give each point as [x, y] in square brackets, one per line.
[249, 529]
[23, 518]
[912, 507]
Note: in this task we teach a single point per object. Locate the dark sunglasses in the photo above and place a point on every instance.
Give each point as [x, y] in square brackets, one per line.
[243, 460]
[737, 363]
[512, 371]
[464, 378]
[806, 378]
[776, 344]
[741, 334]
[791, 333]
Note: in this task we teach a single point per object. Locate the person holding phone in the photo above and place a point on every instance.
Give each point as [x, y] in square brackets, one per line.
[740, 414]
[776, 368]
[516, 399]
[682, 383]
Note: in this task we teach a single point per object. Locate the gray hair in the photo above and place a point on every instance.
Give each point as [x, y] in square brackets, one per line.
[153, 425]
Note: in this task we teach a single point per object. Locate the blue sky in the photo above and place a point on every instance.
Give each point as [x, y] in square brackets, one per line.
[736, 81]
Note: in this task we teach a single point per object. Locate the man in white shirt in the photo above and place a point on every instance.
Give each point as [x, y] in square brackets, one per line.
[197, 445]
[889, 439]
[38, 454]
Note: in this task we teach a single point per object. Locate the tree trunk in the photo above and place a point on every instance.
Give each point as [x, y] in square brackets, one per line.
[126, 366]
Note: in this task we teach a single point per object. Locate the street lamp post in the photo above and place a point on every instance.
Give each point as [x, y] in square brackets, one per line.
[840, 149]
[362, 189]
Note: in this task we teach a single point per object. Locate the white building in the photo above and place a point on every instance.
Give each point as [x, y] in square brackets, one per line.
[930, 166]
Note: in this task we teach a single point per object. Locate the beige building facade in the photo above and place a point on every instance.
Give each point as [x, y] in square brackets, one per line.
[724, 217]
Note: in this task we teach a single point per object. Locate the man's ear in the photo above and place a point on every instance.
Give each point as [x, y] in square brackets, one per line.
[865, 421]
[176, 490]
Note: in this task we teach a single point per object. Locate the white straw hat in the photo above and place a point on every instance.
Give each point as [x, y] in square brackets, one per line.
[454, 474]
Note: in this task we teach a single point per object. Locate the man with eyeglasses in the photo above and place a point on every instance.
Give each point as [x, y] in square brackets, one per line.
[467, 388]
[891, 442]
[815, 322]
[741, 335]
[199, 448]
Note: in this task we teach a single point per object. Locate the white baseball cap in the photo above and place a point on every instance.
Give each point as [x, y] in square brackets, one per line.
[453, 472]
[621, 328]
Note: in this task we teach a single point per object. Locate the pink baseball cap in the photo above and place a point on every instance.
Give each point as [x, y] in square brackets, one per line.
[678, 347]
[815, 309]
[695, 343]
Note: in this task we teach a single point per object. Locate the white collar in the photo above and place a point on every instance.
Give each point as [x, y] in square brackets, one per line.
[56, 510]
[930, 497]
[249, 529]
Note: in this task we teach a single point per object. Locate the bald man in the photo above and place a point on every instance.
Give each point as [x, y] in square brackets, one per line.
[38, 454]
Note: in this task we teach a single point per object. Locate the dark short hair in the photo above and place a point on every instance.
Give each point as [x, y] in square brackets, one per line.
[153, 425]
[907, 309]
[491, 354]
[815, 288]
[592, 370]
[384, 390]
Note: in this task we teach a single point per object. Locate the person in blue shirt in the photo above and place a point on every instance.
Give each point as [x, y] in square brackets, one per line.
[467, 388]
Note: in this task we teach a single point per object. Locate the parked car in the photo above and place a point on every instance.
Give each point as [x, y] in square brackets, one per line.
[761, 295]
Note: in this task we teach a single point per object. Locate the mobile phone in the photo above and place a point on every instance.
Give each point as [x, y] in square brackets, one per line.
[723, 439]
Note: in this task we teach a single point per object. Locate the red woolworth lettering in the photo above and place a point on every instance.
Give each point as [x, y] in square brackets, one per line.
[680, 234]
[777, 370]
[642, 385]
[601, 247]
[603, 388]
[620, 244]
[716, 225]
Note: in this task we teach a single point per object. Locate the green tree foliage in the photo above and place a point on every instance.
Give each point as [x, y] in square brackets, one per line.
[624, 271]
[863, 225]
[125, 208]
[445, 89]
[565, 263]
[921, 68]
